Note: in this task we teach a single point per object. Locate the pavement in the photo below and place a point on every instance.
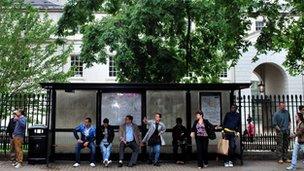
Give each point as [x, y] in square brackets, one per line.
[249, 165]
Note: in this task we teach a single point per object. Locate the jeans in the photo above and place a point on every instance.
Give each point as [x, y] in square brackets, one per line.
[202, 151]
[80, 146]
[154, 153]
[297, 147]
[106, 150]
[232, 147]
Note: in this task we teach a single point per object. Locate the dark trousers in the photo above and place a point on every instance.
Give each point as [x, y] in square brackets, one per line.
[80, 146]
[232, 146]
[282, 145]
[202, 150]
[135, 151]
[179, 156]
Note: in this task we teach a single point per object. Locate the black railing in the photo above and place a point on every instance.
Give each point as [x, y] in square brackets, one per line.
[261, 110]
[36, 107]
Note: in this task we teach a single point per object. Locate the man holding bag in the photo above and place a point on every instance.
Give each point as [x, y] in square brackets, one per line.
[231, 129]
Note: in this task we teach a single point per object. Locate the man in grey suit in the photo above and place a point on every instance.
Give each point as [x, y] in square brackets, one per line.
[129, 137]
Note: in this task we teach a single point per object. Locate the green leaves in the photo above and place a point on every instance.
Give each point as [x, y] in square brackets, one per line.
[28, 54]
[165, 40]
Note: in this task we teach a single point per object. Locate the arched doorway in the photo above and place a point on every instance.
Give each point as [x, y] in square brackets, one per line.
[272, 76]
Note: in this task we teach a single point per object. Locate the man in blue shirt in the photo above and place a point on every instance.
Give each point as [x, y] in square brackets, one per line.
[18, 136]
[281, 123]
[87, 138]
[231, 129]
[129, 137]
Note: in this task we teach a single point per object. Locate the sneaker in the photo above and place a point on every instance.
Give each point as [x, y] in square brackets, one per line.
[14, 163]
[92, 164]
[18, 165]
[120, 163]
[230, 164]
[226, 164]
[76, 165]
[281, 161]
[205, 165]
[290, 168]
[156, 164]
[199, 167]
[109, 162]
[104, 162]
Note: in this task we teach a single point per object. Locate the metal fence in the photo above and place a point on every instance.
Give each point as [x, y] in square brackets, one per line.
[36, 107]
[261, 110]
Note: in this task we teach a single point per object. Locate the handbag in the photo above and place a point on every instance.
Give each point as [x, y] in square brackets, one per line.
[223, 146]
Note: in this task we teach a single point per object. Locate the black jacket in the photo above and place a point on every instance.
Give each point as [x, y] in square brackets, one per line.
[179, 132]
[11, 127]
[110, 133]
[210, 129]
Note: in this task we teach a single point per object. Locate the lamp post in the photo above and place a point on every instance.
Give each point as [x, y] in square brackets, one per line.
[261, 87]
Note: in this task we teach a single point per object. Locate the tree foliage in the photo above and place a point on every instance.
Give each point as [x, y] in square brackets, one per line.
[28, 53]
[165, 40]
[284, 30]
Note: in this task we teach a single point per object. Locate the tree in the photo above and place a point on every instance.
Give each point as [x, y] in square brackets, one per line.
[162, 40]
[284, 30]
[29, 54]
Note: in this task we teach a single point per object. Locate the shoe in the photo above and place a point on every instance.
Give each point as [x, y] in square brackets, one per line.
[120, 163]
[181, 162]
[18, 165]
[130, 165]
[287, 161]
[104, 162]
[76, 165]
[226, 164]
[14, 163]
[205, 165]
[150, 162]
[290, 168]
[199, 167]
[156, 164]
[230, 164]
[281, 161]
[92, 164]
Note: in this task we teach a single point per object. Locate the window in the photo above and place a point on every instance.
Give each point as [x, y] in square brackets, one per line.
[224, 74]
[77, 65]
[112, 69]
[259, 25]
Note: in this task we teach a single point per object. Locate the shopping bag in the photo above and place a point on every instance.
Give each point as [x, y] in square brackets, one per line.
[223, 146]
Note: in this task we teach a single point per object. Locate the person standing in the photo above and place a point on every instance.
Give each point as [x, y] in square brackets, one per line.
[129, 137]
[200, 130]
[9, 131]
[250, 129]
[18, 136]
[231, 129]
[179, 136]
[299, 141]
[106, 136]
[281, 123]
[154, 137]
[87, 138]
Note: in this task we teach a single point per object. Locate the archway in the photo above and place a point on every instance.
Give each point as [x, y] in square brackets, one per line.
[273, 77]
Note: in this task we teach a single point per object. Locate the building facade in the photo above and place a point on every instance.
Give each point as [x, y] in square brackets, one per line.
[268, 70]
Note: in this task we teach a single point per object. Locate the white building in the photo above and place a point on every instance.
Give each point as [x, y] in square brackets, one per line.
[268, 69]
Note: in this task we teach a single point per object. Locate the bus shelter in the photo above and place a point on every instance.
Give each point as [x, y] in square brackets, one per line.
[71, 102]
